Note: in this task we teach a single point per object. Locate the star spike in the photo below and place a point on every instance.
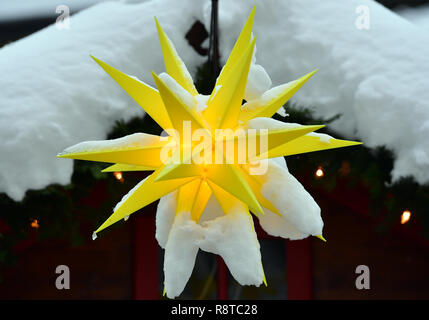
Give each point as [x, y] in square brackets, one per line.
[203, 195]
[127, 167]
[144, 193]
[270, 140]
[270, 103]
[177, 109]
[229, 178]
[179, 171]
[256, 186]
[309, 143]
[186, 196]
[321, 237]
[224, 198]
[146, 96]
[146, 153]
[263, 274]
[223, 109]
[173, 63]
[238, 49]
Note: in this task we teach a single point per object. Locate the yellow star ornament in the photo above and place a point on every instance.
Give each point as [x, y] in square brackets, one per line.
[220, 161]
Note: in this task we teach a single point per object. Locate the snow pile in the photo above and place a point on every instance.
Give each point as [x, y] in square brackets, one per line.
[418, 15]
[232, 236]
[300, 213]
[180, 253]
[25, 9]
[266, 96]
[184, 96]
[165, 213]
[201, 102]
[377, 78]
[136, 140]
[258, 81]
[54, 95]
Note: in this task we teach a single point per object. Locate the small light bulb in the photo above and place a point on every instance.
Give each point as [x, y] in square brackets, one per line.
[405, 217]
[319, 172]
[35, 224]
[118, 176]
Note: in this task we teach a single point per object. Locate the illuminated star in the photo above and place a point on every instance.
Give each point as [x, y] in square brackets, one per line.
[238, 192]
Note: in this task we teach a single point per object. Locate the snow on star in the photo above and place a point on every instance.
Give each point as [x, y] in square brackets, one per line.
[207, 205]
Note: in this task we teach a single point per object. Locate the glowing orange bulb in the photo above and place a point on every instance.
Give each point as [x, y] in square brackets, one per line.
[319, 172]
[34, 224]
[405, 217]
[118, 176]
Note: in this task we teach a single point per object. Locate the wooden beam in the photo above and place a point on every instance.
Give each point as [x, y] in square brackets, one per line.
[146, 286]
[222, 279]
[299, 273]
